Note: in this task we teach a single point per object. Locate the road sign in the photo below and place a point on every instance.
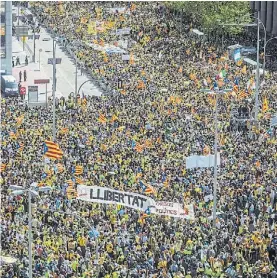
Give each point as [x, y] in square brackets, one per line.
[32, 93]
[22, 90]
[41, 81]
[58, 61]
[21, 31]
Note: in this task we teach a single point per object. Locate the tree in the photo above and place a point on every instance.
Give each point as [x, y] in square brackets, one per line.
[212, 16]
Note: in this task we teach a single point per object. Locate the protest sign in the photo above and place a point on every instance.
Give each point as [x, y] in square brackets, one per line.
[201, 161]
[173, 210]
[123, 31]
[106, 195]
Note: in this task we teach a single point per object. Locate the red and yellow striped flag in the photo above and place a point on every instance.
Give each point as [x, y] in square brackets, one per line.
[242, 95]
[3, 167]
[140, 85]
[70, 183]
[139, 148]
[84, 102]
[102, 119]
[52, 150]
[150, 190]
[265, 105]
[78, 170]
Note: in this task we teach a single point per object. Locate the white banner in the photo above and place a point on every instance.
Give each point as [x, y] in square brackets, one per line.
[106, 195]
[125, 57]
[201, 161]
[173, 210]
[123, 31]
[119, 10]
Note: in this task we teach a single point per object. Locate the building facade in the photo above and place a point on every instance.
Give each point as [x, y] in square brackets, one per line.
[268, 14]
[6, 37]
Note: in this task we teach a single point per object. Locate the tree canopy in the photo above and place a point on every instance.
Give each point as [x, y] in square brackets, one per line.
[210, 15]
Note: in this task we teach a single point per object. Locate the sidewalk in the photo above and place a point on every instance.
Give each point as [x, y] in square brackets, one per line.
[32, 72]
[65, 72]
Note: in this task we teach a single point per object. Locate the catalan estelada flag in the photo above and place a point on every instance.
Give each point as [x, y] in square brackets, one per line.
[78, 170]
[102, 119]
[150, 190]
[70, 183]
[52, 150]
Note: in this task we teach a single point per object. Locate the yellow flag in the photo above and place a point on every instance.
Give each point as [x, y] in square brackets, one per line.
[92, 28]
[243, 70]
[265, 105]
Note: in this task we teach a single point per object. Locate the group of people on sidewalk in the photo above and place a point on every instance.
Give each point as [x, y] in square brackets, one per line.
[142, 134]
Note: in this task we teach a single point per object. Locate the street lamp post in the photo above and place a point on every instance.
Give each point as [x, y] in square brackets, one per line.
[40, 50]
[17, 190]
[258, 62]
[216, 92]
[54, 90]
[265, 44]
[91, 228]
[76, 78]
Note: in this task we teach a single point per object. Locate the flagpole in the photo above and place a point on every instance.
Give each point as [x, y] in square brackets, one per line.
[215, 162]
[54, 91]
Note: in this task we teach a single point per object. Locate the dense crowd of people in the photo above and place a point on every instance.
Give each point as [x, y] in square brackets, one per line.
[156, 104]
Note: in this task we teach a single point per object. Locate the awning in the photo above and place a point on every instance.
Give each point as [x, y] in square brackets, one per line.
[197, 32]
[235, 46]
